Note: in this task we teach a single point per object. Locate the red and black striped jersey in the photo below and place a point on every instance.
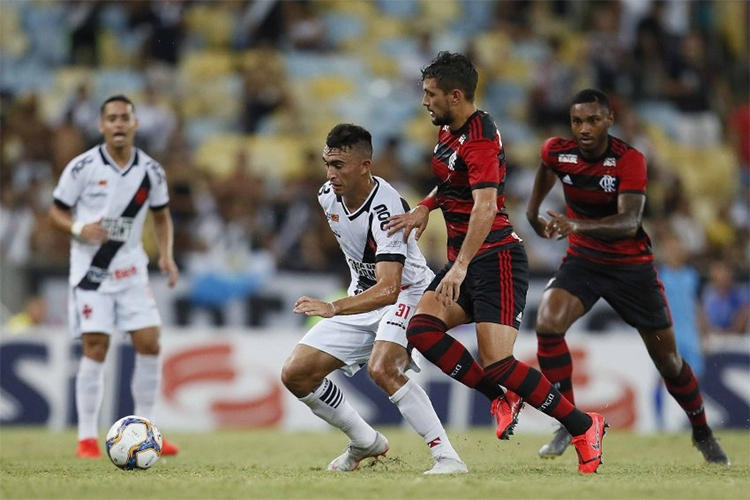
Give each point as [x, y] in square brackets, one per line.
[471, 158]
[591, 189]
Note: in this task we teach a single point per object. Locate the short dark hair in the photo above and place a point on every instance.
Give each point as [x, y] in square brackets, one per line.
[347, 136]
[115, 98]
[453, 71]
[591, 95]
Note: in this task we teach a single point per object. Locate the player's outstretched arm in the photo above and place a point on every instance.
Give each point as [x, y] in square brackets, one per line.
[383, 293]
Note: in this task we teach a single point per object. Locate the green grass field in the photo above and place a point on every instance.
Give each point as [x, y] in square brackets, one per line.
[36, 463]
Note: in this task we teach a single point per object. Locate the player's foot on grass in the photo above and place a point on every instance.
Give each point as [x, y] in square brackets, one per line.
[88, 448]
[505, 409]
[712, 451]
[557, 445]
[353, 455]
[447, 465]
[168, 448]
[589, 444]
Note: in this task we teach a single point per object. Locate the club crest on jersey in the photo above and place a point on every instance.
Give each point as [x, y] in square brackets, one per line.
[610, 162]
[332, 217]
[608, 184]
[568, 158]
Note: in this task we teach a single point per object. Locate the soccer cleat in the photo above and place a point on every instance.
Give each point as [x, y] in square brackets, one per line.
[168, 448]
[712, 451]
[589, 444]
[88, 448]
[447, 465]
[506, 409]
[557, 445]
[353, 455]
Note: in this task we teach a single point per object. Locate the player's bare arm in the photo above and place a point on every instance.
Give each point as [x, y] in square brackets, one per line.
[417, 218]
[165, 238]
[480, 222]
[624, 224]
[383, 293]
[543, 183]
[92, 232]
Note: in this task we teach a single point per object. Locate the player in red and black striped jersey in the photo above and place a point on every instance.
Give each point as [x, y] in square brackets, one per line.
[609, 256]
[486, 278]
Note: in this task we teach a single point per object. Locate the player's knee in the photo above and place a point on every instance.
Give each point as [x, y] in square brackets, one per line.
[382, 371]
[551, 320]
[669, 365]
[297, 378]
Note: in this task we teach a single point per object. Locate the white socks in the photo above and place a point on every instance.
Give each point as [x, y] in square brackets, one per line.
[416, 408]
[145, 384]
[328, 402]
[89, 396]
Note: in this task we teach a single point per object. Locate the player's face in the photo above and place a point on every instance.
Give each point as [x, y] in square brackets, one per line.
[437, 103]
[118, 124]
[345, 169]
[590, 124]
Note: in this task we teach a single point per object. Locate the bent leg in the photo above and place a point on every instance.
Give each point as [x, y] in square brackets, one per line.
[387, 365]
[427, 332]
[558, 310]
[304, 375]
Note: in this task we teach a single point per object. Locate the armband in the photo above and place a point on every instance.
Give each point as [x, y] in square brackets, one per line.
[77, 228]
[430, 203]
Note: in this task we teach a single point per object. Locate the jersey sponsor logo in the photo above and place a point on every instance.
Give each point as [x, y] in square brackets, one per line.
[102, 182]
[610, 162]
[365, 270]
[96, 274]
[119, 229]
[158, 171]
[80, 164]
[567, 180]
[608, 184]
[567, 158]
[383, 215]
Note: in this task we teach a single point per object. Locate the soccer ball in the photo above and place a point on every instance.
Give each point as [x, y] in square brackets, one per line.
[133, 442]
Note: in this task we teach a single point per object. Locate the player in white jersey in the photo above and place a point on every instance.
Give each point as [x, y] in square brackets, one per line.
[101, 199]
[369, 325]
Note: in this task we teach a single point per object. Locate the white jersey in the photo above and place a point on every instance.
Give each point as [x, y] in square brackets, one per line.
[365, 242]
[94, 188]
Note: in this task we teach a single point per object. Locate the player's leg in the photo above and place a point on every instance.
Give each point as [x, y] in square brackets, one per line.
[138, 315]
[568, 296]
[427, 332]
[682, 385]
[90, 316]
[387, 367]
[334, 344]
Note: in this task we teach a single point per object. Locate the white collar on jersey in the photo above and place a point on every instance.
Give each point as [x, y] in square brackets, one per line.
[107, 159]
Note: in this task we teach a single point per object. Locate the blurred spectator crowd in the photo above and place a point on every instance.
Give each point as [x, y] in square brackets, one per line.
[235, 98]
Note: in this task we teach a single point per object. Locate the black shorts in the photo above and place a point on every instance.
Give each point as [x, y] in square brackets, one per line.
[495, 287]
[634, 290]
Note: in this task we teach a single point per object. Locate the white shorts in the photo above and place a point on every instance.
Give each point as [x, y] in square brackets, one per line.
[131, 309]
[350, 338]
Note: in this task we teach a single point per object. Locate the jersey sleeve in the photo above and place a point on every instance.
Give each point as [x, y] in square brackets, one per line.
[547, 158]
[388, 248]
[481, 157]
[631, 169]
[159, 191]
[71, 183]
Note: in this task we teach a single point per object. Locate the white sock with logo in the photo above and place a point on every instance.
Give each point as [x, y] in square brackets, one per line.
[329, 403]
[416, 408]
[146, 384]
[89, 396]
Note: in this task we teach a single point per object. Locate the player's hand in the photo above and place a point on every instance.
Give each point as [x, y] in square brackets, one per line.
[449, 287]
[540, 225]
[314, 307]
[560, 226]
[95, 233]
[417, 218]
[169, 267]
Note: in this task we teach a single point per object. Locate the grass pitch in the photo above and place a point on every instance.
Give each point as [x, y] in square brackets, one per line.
[269, 464]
